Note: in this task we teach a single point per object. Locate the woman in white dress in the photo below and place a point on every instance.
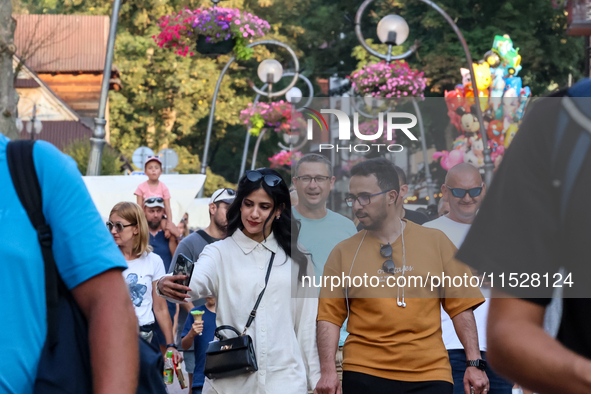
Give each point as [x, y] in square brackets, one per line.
[233, 271]
[129, 228]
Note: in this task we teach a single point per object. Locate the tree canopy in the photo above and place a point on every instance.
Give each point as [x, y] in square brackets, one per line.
[166, 98]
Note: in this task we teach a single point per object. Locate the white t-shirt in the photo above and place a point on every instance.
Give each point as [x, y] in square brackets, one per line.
[456, 232]
[140, 275]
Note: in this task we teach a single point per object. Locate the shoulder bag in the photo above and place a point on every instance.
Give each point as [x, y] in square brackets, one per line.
[234, 356]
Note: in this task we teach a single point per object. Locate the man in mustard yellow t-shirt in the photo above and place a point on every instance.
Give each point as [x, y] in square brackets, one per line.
[393, 299]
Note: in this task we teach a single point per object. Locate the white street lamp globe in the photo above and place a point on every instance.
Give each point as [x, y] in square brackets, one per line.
[270, 71]
[19, 124]
[38, 126]
[393, 30]
[29, 126]
[294, 95]
[291, 139]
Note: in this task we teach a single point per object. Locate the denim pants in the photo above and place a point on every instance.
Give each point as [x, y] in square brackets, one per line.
[457, 359]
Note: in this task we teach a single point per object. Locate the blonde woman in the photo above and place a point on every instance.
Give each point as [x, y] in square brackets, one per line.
[129, 228]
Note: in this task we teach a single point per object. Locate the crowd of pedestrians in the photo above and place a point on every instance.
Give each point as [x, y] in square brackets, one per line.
[261, 269]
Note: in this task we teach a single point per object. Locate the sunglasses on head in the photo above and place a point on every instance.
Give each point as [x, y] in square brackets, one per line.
[386, 251]
[270, 179]
[118, 226]
[152, 200]
[230, 192]
[460, 193]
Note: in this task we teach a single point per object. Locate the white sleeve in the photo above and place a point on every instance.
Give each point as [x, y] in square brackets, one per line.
[305, 308]
[158, 266]
[204, 282]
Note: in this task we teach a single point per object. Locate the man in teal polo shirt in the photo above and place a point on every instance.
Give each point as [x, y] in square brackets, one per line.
[322, 229]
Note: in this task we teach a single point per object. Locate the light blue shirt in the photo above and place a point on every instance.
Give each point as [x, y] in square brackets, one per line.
[82, 247]
[319, 237]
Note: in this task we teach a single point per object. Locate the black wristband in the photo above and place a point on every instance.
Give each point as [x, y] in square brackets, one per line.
[172, 345]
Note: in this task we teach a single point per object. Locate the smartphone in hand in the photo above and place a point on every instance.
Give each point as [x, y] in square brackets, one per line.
[183, 266]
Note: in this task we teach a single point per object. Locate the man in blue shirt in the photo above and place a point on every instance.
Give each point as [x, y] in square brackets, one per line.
[199, 334]
[165, 248]
[90, 265]
[322, 229]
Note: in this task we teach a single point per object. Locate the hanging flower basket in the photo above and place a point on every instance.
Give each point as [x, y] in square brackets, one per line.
[275, 115]
[285, 159]
[389, 80]
[210, 31]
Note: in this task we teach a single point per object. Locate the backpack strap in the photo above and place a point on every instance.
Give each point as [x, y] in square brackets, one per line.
[570, 112]
[19, 156]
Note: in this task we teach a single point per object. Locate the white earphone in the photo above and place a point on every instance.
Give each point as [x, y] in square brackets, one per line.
[398, 302]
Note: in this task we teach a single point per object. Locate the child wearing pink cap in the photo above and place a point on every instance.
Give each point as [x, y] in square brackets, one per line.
[153, 187]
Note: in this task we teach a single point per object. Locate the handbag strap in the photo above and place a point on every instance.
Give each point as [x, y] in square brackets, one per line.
[19, 155]
[220, 328]
[254, 310]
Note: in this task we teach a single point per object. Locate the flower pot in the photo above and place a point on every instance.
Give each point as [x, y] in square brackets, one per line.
[214, 48]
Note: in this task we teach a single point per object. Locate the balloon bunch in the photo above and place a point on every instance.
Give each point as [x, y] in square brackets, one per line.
[502, 98]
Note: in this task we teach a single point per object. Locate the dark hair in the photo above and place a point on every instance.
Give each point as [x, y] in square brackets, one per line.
[401, 175]
[313, 158]
[382, 169]
[285, 228]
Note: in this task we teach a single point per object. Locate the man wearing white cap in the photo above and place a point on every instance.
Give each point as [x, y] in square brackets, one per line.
[191, 247]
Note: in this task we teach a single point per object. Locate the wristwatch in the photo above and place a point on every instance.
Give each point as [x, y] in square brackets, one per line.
[480, 364]
[172, 345]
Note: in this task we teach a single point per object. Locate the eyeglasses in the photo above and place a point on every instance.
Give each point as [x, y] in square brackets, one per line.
[118, 226]
[318, 179]
[386, 251]
[230, 192]
[363, 200]
[270, 179]
[460, 193]
[152, 200]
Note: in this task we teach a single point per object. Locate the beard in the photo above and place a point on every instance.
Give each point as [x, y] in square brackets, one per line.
[154, 225]
[221, 226]
[373, 225]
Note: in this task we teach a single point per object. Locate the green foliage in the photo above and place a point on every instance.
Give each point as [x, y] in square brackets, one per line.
[80, 152]
[364, 58]
[241, 51]
[257, 124]
[165, 100]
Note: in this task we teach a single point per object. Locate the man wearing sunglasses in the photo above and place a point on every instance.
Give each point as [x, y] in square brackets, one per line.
[465, 190]
[394, 343]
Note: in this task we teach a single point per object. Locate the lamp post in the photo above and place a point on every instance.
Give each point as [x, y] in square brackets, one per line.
[393, 26]
[393, 30]
[97, 141]
[293, 95]
[217, 89]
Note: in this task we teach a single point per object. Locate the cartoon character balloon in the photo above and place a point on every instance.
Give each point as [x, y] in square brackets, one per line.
[503, 101]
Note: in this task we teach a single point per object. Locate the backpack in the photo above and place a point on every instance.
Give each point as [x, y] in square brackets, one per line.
[64, 366]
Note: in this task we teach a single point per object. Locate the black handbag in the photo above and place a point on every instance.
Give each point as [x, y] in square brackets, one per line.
[234, 356]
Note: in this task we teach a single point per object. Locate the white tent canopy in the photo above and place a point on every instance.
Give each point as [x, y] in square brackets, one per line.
[106, 191]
